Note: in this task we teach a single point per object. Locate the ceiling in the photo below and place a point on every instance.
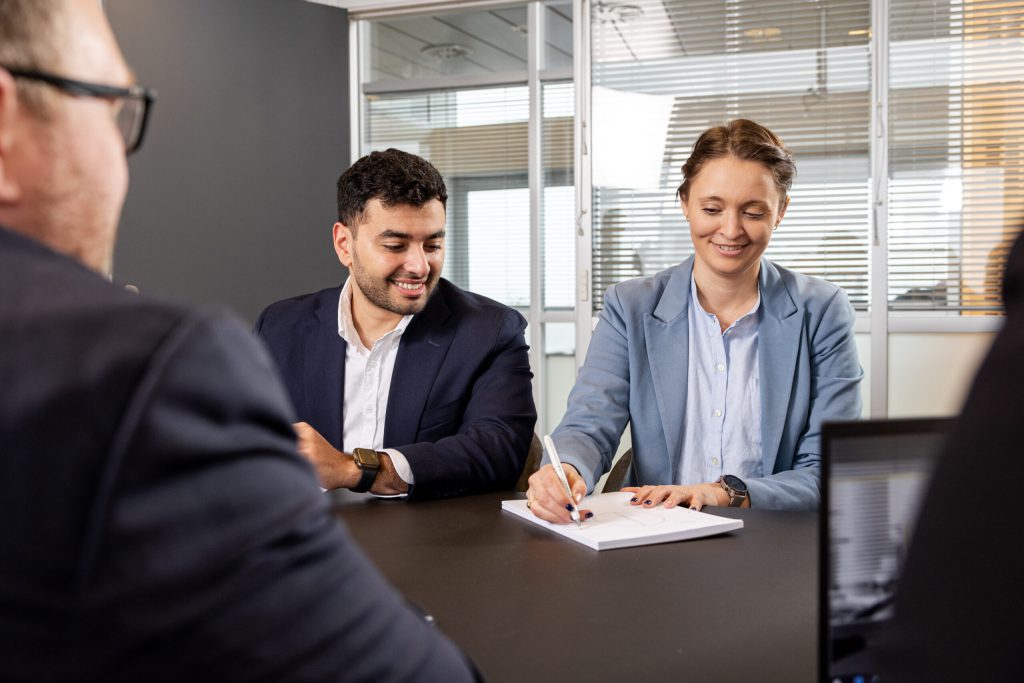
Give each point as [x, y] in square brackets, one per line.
[483, 42]
[480, 42]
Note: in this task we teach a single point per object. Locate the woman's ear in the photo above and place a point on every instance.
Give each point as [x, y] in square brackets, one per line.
[782, 212]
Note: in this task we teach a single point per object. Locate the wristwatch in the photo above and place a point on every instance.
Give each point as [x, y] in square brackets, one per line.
[368, 462]
[736, 489]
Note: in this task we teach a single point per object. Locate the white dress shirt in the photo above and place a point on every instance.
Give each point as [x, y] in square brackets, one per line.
[367, 384]
[722, 431]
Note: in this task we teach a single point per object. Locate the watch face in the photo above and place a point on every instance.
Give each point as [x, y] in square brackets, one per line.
[366, 457]
[735, 483]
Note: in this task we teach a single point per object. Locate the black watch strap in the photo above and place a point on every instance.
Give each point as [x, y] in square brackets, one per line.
[368, 471]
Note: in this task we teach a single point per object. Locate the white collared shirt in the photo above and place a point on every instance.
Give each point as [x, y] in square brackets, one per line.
[368, 375]
[722, 428]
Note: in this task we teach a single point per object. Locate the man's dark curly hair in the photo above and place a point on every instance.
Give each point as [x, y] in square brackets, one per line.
[394, 177]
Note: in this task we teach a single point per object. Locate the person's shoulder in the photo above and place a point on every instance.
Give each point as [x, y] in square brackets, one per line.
[644, 293]
[470, 304]
[78, 304]
[300, 305]
[805, 289]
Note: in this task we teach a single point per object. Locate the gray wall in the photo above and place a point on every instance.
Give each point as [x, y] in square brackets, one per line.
[232, 194]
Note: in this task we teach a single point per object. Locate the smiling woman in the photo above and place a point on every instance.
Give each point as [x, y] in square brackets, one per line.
[725, 365]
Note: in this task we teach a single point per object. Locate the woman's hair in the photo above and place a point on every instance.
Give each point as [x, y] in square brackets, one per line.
[746, 140]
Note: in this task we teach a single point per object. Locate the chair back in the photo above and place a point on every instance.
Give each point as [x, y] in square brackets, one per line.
[619, 473]
[532, 464]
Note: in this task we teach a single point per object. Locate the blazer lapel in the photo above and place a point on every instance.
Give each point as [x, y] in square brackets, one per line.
[421, 352]
[777, 349]
[324, 370]
[666, 333]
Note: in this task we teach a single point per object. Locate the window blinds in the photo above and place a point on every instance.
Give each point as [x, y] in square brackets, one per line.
[665, 71]
[956, 152]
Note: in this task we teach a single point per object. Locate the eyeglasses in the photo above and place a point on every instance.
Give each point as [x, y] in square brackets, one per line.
[134, 101]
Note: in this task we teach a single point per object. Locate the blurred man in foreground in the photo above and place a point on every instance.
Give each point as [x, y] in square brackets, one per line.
[158, 522]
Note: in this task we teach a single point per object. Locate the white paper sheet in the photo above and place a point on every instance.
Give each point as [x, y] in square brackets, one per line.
[617, 524]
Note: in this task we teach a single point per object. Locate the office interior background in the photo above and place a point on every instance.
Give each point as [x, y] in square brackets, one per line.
[560, 128]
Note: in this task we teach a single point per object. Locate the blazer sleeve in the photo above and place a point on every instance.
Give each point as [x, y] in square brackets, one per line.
[489, 449]
[598, 406]
[835, 376]
[212, 548]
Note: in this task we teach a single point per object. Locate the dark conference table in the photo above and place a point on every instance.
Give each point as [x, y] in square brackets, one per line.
[527, 604]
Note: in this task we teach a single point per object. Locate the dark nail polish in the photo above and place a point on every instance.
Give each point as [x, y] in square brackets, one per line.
[568, 506]
[633, 499]
[648, 502]
[589, 515]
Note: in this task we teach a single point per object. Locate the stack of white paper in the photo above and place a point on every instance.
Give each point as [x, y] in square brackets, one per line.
[617, 524]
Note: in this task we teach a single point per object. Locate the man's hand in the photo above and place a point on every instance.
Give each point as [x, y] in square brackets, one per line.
[546, 496]
[337, 470]
[695, 496]
[334, 469]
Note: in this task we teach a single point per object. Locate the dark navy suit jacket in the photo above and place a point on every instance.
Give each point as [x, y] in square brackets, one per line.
[960, 595]
[461, 405]
[158, 524]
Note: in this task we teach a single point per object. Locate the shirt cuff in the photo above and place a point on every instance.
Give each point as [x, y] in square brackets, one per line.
[402, 468]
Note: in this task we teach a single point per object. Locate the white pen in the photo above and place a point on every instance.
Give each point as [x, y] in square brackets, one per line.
[574, 514]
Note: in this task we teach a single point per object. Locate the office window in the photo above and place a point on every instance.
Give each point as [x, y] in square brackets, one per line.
[477, 140]
[455, 87]
[956, 154]
[662, 72]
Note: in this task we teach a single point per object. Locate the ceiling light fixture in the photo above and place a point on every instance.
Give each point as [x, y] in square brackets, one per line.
[447, 51]
[616, 12]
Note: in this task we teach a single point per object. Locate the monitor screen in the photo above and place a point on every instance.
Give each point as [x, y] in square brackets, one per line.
[875, 476]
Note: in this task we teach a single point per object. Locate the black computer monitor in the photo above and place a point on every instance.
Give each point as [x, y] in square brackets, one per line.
[874, 476]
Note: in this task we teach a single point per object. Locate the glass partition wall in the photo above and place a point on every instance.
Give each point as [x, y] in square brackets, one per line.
[903, 116]
[486, 95]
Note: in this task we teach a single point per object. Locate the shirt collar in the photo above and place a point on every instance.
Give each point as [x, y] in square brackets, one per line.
[347, 327]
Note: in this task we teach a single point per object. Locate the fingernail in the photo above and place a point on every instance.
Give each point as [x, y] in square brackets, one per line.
[579, 497]
[648, 502]
[568, 506]
[693, 507]
[589, 515]
[633, 499]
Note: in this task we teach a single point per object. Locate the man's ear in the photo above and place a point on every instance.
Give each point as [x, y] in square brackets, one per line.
[9, 112]
[343, 243]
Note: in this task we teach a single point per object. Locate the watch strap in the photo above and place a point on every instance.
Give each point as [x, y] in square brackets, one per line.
[736, 498]
[366, 477]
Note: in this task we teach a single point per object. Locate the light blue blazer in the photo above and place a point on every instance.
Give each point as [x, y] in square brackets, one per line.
[636, 372]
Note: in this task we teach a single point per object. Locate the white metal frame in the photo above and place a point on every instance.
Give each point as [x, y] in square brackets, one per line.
[878, 304]
[583, 178]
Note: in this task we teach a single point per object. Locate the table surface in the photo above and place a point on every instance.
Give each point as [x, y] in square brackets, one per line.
[527, 604]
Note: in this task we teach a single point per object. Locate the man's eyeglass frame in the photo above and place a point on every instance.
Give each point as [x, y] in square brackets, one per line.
[85, 89]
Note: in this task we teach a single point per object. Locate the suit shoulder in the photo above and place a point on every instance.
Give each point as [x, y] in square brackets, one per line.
[807, 289]
[644, 292]
[467, 303]
[297, 307]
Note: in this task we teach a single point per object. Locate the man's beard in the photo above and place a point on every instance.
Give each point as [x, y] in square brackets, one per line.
[378, 290]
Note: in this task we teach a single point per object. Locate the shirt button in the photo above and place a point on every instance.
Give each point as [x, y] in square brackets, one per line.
[720, 367]
[718, 413]
[714, 461]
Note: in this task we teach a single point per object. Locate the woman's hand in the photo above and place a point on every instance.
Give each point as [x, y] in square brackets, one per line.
[695, 496]
[547, 498]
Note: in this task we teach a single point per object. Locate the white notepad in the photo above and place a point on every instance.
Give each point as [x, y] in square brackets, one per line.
[617, 524]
